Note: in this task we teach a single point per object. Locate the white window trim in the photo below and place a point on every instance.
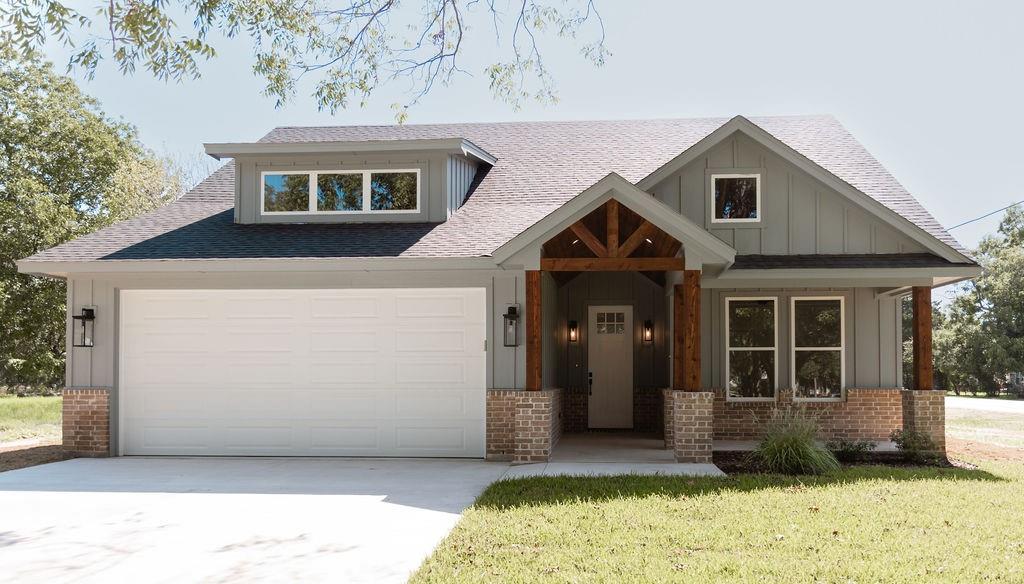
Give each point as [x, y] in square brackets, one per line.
[775, 349]
[841, 348]
[753, 175]
[367, 192]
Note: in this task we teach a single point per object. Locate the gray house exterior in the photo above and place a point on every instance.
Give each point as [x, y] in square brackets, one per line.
[476, 290]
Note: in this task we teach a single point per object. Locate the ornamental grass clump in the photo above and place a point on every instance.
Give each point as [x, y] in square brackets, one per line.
[788, 446]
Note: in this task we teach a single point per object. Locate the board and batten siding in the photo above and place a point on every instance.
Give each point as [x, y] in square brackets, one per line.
[873, 343]
[611, 288]
[97, 366]
[459, 176]
[444, 182]
[799, 214]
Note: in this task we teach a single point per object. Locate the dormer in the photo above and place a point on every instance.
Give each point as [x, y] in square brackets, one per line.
[389, 181]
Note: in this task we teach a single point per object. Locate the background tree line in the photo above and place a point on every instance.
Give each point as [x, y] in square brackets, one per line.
[979, 334]
[66, 169]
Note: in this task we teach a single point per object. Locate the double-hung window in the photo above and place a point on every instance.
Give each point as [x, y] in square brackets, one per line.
[751, 356]
[818, 339]
[341, 191]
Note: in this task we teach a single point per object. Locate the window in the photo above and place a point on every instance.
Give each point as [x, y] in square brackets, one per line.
[341, 191]
[750, 356]
[818, 361]
[285, 193]
[611, 323]
[736, 198]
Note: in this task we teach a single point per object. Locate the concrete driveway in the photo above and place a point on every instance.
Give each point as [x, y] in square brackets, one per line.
[230, 519]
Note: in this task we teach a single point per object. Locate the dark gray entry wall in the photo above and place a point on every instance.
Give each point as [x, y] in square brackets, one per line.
[650, 361]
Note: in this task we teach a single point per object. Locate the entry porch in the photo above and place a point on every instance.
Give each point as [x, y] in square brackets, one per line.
[617, 351]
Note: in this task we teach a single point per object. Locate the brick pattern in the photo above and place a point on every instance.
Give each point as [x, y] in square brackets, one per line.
[648, 410]
[925, 411]
[668, 417]
[865, 414]
[692, 419]
[523, 426]
[574, 410]
[86, 421]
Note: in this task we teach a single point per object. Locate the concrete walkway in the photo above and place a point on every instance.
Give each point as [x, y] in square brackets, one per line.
[611, 453]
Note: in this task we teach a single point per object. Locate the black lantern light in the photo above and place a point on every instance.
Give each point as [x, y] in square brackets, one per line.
[648, 332]
[511, 318]
[574, 331]
[85, 325]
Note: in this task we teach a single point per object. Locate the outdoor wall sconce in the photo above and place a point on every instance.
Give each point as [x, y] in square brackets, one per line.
[648, 332]
[574, 331]
[82, 336]
[511, 317]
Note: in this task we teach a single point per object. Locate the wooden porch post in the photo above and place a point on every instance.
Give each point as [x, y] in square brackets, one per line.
[922, 304]
[686, 333]
[533, 332]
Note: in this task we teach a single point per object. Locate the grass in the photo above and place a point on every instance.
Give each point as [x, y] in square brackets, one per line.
[30, 417]
[859, 524]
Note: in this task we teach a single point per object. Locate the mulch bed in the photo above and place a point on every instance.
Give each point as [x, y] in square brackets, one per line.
[733, 462]
[25, 456]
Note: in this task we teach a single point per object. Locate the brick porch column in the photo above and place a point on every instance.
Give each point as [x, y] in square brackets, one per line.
[692, 415]
[925, 412]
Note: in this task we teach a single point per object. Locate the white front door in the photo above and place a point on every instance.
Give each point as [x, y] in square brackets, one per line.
[610, 355]
[385, 372]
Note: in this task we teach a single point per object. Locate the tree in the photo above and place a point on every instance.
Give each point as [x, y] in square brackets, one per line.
[981, 338]
[348, 48]
[65, 170]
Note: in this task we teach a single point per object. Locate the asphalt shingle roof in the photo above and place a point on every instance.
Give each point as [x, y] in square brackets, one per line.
[843, 261]
[541, 165]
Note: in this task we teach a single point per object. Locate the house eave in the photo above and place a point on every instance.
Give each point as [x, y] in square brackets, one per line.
[842, 277]
[58, 269]
[462, 146]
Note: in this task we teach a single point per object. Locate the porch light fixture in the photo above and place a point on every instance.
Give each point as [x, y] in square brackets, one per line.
[574, 331]
[648, 332]
[85, 326]
[511, 318]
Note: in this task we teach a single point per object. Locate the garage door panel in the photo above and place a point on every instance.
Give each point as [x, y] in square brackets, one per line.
[334, 372]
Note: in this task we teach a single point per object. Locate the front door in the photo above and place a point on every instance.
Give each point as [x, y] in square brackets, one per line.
[610, 356]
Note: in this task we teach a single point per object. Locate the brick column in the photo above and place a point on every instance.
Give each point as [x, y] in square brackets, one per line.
[925, 411]
[692, 425]
[669, 418]
[523, 425]
[86, 421]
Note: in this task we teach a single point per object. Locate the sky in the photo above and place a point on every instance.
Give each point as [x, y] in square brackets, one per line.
[933, 89]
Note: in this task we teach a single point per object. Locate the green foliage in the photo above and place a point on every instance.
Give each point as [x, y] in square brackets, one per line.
[788, 446]
[346, 48]
[65, 170]
[849, 450]
[914, 445]
[980, 337]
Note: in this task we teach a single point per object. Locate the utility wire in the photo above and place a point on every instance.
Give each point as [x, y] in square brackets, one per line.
[983, 216]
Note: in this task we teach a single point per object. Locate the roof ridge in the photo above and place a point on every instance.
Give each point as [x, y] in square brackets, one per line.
[559, 122]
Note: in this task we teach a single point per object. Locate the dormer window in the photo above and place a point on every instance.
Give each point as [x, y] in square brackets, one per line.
[736, 198]
[340, 191]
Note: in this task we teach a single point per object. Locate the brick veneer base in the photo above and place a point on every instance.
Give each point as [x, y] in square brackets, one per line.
[86, 421]
[522, 425]
[925, 411]
[692, 420]
[865, 414]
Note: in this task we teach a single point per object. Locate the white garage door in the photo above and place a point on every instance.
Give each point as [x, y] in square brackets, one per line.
[396, 372]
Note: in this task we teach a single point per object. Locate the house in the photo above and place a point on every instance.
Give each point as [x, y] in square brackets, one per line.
[476, 290]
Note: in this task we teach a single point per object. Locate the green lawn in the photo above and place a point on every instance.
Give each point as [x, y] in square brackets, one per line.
[29, 417]
[866, 524]
[990, 427]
